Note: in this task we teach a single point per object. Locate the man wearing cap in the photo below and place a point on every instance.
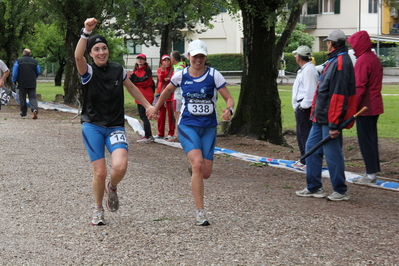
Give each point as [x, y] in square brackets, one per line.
[334, 102]
[302, 96]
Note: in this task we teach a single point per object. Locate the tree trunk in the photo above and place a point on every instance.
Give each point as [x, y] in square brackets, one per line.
[60, 71]
[259, 107]
[166, 41]
[72, 84]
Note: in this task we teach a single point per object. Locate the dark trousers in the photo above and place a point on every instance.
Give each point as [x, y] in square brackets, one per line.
[303, 126]
[31, 92]
[368, 142]
[146, 122]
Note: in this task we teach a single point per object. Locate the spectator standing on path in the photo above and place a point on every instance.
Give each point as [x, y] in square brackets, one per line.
[302, 95]
[24, 74]
[334, 102]
[369, 74]
[178, 65]
[4, 73]
[102, 117]
[198, 123]
[141, 76]
[164, 73]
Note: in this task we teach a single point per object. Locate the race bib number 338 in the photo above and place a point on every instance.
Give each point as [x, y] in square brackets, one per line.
[200, 106]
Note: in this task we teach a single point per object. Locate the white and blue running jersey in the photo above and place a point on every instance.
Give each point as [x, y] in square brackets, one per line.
[199, 97]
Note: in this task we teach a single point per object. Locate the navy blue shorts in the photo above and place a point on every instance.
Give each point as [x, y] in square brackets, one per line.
[202, 138]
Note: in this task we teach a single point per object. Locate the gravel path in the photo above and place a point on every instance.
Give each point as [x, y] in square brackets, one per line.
[45, 194]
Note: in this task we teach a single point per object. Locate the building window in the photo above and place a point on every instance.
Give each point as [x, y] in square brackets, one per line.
[132, 47]
[323, 44]
[373, 6]
[328, 6]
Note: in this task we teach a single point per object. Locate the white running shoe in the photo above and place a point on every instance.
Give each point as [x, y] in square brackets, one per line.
[202, 220]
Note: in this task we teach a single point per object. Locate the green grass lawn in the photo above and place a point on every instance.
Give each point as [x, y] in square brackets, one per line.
[387, 123]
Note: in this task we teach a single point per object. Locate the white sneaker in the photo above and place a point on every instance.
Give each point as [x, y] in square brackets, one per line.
[364, 180]
[202, 220]
[297, 164]
[169, 137]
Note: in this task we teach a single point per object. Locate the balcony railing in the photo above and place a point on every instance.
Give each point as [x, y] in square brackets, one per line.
[309, 20]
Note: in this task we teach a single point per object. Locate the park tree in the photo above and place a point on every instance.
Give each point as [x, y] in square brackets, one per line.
[16, 21]
[143, 22]
[70, 16]
[49, 42]
[258, 113]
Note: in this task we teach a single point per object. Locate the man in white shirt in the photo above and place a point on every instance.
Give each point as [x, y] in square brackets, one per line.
[4, 73]
[302, 97]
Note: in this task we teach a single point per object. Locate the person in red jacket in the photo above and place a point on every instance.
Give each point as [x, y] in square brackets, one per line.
[142, 78]
[368, 73]
[165, 72]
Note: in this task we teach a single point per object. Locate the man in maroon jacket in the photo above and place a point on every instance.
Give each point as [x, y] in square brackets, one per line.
[368, 73]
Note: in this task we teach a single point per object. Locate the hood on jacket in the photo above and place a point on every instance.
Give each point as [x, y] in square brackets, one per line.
[360, 42]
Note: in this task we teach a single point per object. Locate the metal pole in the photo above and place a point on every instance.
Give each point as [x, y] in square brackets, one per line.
[378, 29]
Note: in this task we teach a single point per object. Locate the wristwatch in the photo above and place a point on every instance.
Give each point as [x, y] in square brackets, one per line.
[231, 109]
[84, 34]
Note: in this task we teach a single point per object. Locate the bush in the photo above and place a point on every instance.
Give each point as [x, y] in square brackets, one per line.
[226, 62]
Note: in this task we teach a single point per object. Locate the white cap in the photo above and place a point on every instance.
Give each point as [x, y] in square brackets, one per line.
[197, 47]
[303, 50]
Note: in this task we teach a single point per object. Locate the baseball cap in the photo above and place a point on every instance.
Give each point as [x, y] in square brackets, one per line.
[164, 57]
[335, 35]
[303, 50]
[93, 40]
[197, 47]
[142, 56]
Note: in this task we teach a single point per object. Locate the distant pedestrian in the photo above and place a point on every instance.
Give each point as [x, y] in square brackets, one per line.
[24, 74]
[302, 96]
[178, 65]
[200, 86]
[333, 103]
[368, 73]
[4, 73]
[164, 73]
[103, 116]
[141, 76]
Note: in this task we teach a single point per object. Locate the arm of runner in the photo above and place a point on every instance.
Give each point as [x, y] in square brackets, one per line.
[227, 113]
[80, 59]
[162, 98]
[136, 94]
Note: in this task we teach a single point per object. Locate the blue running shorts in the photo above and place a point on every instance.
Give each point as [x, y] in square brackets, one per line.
[96, 138]
[202, 138]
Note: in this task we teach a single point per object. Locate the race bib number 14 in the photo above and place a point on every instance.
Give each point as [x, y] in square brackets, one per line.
[118, 136]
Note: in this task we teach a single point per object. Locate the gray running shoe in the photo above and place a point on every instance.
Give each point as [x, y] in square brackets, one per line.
[113, 201]
[98, 217]
[202, 220]
[364, 180]
[335, 196]
[306, 193]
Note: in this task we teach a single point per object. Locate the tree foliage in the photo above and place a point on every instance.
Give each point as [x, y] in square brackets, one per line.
[16, 21]
[259, 107]
[298, 36]
[173, 20]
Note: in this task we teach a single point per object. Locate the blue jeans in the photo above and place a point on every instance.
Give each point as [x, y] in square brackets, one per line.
[332, 151]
